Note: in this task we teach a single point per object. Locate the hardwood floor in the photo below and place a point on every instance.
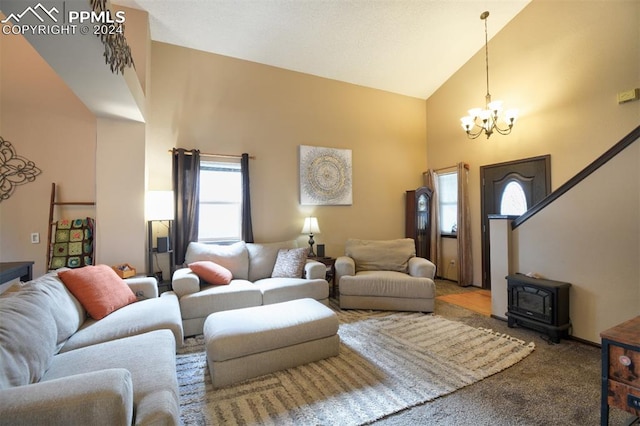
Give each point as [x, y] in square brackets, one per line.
[475, 300]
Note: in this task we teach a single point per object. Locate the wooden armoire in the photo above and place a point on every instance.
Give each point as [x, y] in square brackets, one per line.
[418, 219]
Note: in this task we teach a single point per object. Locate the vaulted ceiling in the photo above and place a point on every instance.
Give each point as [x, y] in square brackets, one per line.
[409, 47]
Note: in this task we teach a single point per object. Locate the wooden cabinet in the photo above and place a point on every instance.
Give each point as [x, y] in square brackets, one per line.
[418, 219]
[620, 373]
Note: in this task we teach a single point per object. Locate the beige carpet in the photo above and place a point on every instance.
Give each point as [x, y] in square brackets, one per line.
[388, 361]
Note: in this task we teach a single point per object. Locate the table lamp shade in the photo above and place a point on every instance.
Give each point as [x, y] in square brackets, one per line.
[310, 226]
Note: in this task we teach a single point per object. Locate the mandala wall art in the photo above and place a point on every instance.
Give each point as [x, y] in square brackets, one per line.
[14, 170]
[325, 176]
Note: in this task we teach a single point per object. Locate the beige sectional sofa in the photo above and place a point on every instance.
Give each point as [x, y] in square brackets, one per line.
[57, 367]
[252, 266]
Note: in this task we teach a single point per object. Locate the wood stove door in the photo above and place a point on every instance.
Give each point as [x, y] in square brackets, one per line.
[505, 188]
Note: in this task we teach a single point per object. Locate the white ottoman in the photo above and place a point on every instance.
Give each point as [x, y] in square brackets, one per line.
[250, 342]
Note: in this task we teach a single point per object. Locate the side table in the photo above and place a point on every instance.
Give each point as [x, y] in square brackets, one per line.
[620, 379]
[163, 286]
[330, 264]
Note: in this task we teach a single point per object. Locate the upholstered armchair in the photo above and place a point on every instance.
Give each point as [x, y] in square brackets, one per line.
[385, 275]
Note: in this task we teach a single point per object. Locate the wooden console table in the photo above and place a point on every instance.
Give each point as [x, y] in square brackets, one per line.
[12, 270]
[620, 372]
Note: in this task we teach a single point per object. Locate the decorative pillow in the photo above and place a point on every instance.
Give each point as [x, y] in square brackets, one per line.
[262, 258]
[381, 255]
[98, 288]
[290, 263]
[211, 272]
[27, 337]
[234, 257]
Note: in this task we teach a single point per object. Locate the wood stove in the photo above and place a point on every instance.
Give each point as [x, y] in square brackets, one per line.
[539, 304]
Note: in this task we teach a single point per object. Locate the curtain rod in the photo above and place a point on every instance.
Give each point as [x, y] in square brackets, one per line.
[204, 154]
[466, 166]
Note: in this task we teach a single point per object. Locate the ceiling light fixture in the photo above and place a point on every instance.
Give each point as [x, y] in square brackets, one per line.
[486, 120]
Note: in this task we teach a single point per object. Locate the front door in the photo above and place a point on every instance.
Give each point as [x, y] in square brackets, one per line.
[510, 189]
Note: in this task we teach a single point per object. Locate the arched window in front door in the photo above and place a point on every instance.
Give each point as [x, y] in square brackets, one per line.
[513, 202]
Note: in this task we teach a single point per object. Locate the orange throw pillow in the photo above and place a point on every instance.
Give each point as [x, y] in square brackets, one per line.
[211, 272]
[98, 288]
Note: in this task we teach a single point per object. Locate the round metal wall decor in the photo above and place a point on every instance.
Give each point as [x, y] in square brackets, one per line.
[325, 176]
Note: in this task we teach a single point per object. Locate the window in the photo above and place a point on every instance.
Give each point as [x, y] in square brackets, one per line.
[220, 201]
[513, 200]
[448, 200]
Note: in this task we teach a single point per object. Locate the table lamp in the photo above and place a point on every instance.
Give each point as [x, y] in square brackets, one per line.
[310, 227]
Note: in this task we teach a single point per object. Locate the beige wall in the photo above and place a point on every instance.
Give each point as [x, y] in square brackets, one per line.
[48, 125]
[120, 177]
[121, 174]
[562, 64]
[227, 106]
[589, 238]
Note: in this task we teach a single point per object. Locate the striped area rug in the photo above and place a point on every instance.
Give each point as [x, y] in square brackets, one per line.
[388, 361]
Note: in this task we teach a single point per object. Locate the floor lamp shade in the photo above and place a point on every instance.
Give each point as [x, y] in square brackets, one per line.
[159, 205]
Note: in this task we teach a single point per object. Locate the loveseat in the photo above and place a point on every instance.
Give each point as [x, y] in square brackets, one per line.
[385, 275]
[59, 367]
[257, 275]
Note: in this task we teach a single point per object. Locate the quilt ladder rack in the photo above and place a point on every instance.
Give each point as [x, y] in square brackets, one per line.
[52, 222]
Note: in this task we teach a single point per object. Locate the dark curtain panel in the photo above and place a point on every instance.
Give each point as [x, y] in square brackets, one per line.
[247, 227]
[465, 259]
[186, 193]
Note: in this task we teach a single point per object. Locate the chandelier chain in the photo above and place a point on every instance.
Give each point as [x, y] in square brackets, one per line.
[486, 55]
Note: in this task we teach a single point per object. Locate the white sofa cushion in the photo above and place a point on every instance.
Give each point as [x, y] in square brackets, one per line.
[387, 284]
[234, 257]
[67, 311]
[214, 298]
[134, 319]
[262, 258]
[276, 290]
[149, 357]
[381, 255]
[27, 337]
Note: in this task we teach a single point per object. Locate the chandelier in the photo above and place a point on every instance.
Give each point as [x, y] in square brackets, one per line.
[488, 120]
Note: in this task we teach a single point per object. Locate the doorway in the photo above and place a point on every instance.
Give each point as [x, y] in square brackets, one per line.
[510, 189]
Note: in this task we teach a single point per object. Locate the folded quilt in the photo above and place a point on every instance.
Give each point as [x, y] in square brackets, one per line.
[73, 243]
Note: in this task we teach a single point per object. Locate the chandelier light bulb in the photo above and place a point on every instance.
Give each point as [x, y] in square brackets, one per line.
[495, 106]
[484, 114]
[475, 112]
[467, 122]
[511, 115]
